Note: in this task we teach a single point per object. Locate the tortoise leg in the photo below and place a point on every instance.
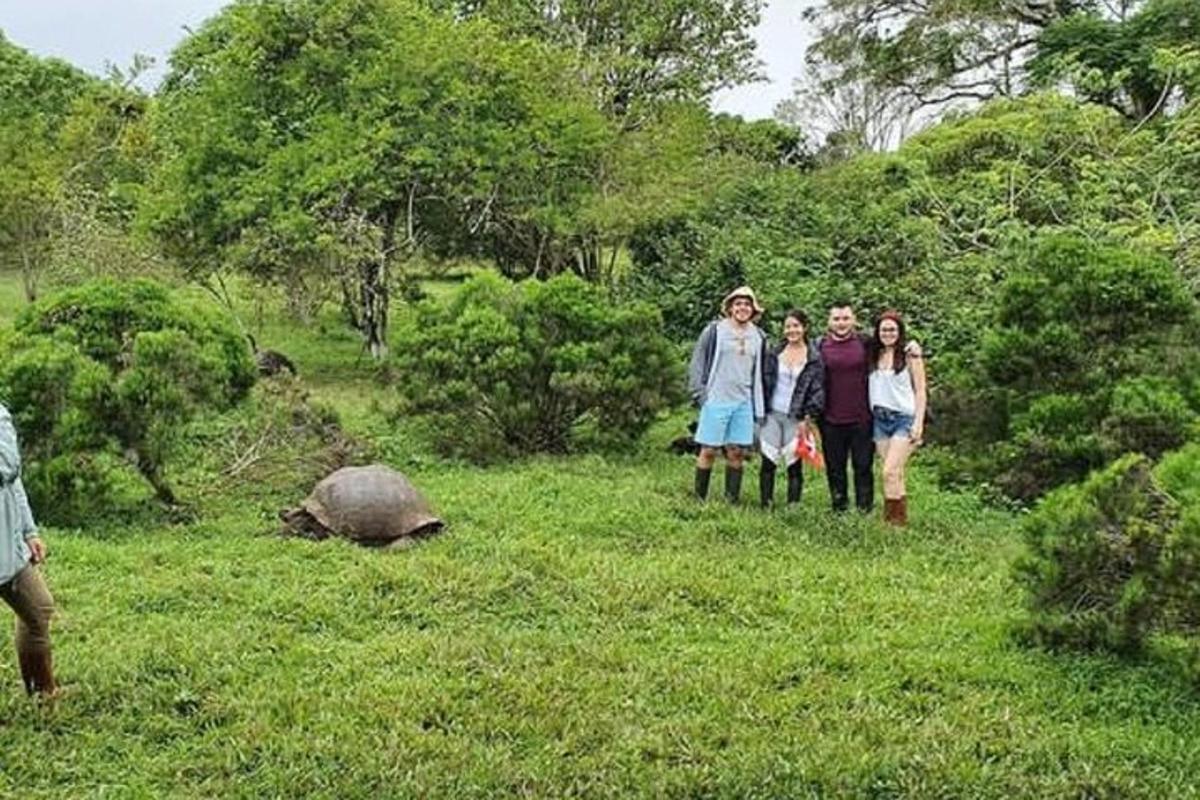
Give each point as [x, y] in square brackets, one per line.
[403, 543]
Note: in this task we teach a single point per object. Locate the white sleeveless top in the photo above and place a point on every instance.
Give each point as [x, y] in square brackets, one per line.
[894, 390]
[785, 387]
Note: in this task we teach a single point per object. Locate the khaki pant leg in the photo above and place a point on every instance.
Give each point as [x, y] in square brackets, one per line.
[30, 598]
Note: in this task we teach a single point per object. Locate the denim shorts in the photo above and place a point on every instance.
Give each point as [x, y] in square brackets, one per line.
[890, 424]
[726, 423]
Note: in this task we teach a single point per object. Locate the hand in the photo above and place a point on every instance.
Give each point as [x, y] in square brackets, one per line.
[913, 350]
[37, 550]
[916, 434]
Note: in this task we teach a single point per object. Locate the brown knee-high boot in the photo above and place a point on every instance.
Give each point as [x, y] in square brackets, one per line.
[37, 672]
[891, 511]
[902, 511]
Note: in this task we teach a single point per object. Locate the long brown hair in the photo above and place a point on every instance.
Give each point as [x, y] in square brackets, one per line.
[899, 358]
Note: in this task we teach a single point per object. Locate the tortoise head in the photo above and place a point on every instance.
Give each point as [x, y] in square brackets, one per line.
[299, 522]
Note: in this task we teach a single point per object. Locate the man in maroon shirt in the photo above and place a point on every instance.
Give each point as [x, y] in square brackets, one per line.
[846, 423]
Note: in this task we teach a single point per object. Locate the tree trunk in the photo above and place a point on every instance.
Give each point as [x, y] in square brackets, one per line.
[373, 287]
[153, 475]
[589, 259]
[349, 306]
[29, 277]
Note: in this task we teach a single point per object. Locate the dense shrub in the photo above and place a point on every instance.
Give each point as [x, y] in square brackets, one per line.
[510, 368]
[763, 230]
[1091, 356]
[1179, 476]
[109, 372]
[1116, 558]
[1095, 567]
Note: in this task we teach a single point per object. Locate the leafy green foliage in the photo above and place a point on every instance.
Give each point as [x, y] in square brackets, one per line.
[647, 52]
[766, 231]
[1134, 64]
[109, 371]
[937, 52]
[1095, 570]
[1091, 358]
[36, 96]
[349, 136]
[37, 87]
[1116, 558]
[925, 229]
[512, 369]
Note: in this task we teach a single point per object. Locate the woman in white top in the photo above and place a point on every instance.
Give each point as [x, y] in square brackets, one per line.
[898, 397]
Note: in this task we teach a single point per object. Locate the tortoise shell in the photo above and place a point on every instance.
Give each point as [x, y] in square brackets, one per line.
[372, 505]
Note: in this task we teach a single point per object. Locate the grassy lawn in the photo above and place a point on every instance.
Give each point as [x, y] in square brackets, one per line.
[583, 628]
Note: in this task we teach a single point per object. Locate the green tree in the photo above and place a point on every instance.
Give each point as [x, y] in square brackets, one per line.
[932, 53]
[642, 53]
[357, 133]
[1136, 64]
[1091, 357]
[36, 96]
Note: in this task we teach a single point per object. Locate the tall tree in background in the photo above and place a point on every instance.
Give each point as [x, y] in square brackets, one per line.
[639, 53]
[650, 66]
[36, 96]
[1141, 62]
[853, 112]
[352, 135]
[933, 52]
[875, 62]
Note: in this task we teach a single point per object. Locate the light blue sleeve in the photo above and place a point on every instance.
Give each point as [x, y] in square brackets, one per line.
[10, 455]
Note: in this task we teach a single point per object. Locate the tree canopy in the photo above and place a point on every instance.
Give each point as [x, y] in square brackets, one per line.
[355, 133]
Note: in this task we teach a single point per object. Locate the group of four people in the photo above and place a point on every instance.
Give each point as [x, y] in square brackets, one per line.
[866, 394]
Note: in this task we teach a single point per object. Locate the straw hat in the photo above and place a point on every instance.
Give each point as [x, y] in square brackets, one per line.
[741, 291]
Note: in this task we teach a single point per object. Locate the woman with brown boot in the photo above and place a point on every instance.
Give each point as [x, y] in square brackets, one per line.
[898, 398]
[21, 582]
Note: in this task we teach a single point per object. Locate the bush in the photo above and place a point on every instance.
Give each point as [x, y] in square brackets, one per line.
[109, 372]
[1090, 356]
[1095, 569]
[1116, 558]
[763, 230]
[1054, 441]
[1147, 414]
[506, 369]
[1179, 476]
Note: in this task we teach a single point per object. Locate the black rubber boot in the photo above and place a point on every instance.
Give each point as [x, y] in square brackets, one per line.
[733, 484]
[702, 478]
[795, 487]
[766, 482]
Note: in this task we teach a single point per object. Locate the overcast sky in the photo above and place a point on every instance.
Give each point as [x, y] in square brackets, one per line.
[90, 33]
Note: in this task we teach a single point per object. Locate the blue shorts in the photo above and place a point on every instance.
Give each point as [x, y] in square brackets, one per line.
[890, 424]
[726, 423]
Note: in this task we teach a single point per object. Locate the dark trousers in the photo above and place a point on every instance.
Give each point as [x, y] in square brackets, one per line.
[853, 443]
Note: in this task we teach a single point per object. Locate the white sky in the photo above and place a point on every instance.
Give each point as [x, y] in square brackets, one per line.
[90, 33]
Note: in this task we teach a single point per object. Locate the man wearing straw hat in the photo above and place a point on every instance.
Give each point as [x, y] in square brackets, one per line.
[726, 381]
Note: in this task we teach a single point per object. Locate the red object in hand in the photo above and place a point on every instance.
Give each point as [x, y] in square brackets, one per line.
[807, 449]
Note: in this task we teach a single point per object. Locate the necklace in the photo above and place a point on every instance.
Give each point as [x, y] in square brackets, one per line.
[795, 355]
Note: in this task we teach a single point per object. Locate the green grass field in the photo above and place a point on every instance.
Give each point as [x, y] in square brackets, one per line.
[583, 628]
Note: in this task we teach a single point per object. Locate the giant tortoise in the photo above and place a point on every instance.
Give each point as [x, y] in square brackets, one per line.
[375, 506]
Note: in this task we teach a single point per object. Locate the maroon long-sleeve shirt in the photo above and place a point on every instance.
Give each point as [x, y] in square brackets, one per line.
[846, 372]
